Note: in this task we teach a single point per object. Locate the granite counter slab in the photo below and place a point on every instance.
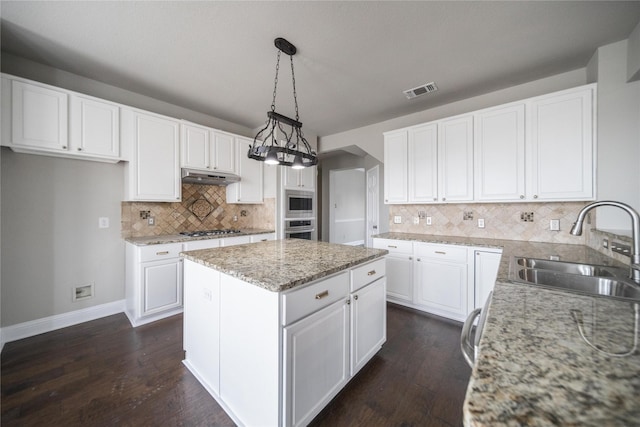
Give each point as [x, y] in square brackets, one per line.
[179, 238]
[279, 265]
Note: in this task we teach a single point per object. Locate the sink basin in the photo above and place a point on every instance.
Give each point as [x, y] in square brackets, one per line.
[579, 283]
[574, 277]
[573, 268]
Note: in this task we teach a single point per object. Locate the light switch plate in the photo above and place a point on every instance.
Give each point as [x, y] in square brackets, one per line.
[480, 223]
[554, 225]
[428, 220]
[103, 222]
[397, 219]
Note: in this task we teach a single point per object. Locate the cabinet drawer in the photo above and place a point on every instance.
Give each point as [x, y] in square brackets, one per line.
[365, 274]
[302, 302]
[160, 252]
[449, 253]
[201, 244]
[394, 246]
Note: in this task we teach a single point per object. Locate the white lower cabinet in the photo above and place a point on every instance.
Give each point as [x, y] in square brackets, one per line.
[446, 280]
[441, 279]
[282, 356]
[313, 377]
[153, 282]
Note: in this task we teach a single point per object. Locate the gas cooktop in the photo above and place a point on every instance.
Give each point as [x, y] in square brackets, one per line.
[210, 232]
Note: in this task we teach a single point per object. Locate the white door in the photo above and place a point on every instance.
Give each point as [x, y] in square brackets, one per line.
[347, 195]
[486, 271]
[373, 204]
[161, 286]
[224, 152]
[307, 177]
[250, 187]
[194, 147]
[95, 126]
[400, 276]
[423, 164]
[455, 159]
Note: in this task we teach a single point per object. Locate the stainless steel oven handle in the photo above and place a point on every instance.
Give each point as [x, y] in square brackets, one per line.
[468, 350]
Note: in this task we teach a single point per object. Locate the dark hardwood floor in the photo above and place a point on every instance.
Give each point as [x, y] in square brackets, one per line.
[104, 373]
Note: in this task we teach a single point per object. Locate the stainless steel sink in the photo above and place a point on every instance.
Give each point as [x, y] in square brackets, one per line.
[573, 268]
[574, 277]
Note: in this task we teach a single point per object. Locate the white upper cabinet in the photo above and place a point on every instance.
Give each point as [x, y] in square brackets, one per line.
[95, 127]
[423, 163]
[224, 152]
[395, 167]
[195, 147]
[455, 159]
[250, 187]
[499, 167]
[539, 149]
[561, 146]
[39, 117]
[300, 179]
[153, 172]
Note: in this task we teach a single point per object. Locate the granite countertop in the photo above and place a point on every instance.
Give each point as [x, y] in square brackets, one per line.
[533, 367]
[278, 265]
[178, 238]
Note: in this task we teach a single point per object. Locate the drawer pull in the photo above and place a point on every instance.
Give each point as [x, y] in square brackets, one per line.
[441, 252]
[322, 295]
[355, 297]
[391, 246]
[371, 273]
[162, 253]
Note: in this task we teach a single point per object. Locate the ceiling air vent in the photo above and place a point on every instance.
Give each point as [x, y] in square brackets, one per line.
[420, 90]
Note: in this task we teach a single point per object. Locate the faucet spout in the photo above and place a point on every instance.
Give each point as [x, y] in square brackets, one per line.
[576, 230]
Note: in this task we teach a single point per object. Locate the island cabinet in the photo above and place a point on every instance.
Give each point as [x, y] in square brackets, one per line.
[277, 358]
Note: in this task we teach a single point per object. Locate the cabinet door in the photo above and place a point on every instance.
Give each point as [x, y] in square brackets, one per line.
[224, 152]
[395, 167]
[316, 349]
[161, 286]
[486, 271]
[95, 127]
[368, 323]
[307, 178]
[455, 159]
[441, 283]
[291, 178]
[423, 164]
[195, 147]
[561, 157]
[499, 154]
[157, 159]
[39, 117]
[249, 189]
[400, 277]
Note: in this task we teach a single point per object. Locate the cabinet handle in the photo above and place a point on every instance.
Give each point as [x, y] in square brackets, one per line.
[417, 259]
[522, 196]
[64, 147]
[386, 200]
[371, 273]
[435, 199]
[348, 302]
[391, 246]
[441, 252]
[355, 297]
[535, 196]
[263, 240]
[444, 198]
[79, 148]
[162, 253]
[410, 258]
[322, 295]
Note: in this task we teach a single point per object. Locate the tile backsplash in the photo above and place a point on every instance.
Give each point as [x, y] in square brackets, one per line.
[203, 207]
[511, 221]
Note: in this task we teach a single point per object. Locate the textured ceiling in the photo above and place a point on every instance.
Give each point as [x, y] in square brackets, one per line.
[354, 58]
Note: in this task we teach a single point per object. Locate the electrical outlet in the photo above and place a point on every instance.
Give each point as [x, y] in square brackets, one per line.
[554, 225]
[82, 292]
[397, 219]
[428, 220]
[235, 218]
[207, 294]
[605, 243]
[480, 223]
[416, 220]
[103, 222]
[151, 220]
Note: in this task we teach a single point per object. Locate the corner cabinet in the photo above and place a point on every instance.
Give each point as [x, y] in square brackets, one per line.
[153, 170]
[250, 187]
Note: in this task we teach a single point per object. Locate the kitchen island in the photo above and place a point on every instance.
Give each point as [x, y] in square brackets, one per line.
[274, 330]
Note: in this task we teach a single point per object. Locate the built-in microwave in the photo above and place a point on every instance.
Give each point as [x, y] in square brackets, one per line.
[298, 204]
[299, 229]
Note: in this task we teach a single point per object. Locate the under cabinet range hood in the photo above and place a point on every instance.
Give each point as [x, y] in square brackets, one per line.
[193, 176]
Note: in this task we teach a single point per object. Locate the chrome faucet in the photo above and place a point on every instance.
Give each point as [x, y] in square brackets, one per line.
[576, 230]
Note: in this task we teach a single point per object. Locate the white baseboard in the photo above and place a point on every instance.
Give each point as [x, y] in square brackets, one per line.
[51, 323]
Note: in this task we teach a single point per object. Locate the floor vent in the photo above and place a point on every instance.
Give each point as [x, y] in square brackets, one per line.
[420, 90]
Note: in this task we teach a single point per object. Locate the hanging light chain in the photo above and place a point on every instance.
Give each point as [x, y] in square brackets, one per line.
[275, 84]
[295, 95]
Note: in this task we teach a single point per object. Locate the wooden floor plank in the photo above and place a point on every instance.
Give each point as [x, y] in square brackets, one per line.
[106, 373]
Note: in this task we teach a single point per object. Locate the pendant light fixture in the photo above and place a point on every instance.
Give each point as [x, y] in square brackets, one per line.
[281, 141]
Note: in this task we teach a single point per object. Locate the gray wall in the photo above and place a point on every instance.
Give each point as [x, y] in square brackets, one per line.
[618, 175]
[50, 236]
